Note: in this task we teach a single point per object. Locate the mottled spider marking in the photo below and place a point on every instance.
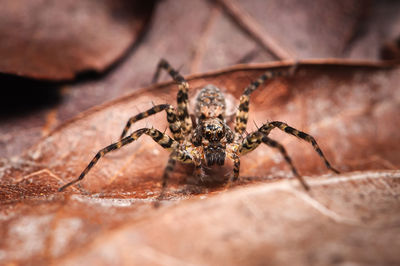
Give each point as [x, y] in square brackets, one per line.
[210, 113]
[266, 128]
[212, 140]
[182, 97]
[210, 102]
[174, 123]
[253, 140]
[244, 102]
[162, 139]
[212, 133]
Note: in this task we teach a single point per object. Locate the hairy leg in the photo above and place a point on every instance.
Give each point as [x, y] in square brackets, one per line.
[167, 172]
[243, 110]
[174, 123]
[274, 144]
[266, 128]
[236, 167]
[252, 141]
[164, 140]
[182, 97]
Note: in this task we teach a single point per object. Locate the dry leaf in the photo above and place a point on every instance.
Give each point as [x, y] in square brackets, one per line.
[56, 40]
[350, 109]
[197, 36]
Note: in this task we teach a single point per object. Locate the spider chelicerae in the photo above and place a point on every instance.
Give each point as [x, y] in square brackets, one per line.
[211, 140]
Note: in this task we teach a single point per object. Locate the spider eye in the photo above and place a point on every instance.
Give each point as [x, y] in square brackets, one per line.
[219, 134]
[208, 135]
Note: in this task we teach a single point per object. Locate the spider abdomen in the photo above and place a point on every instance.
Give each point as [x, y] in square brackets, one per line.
[210, 102]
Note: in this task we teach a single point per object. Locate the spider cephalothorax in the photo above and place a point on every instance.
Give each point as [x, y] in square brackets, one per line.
[211, 141]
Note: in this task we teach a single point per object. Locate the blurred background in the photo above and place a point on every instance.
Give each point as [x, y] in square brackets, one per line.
[59, 58]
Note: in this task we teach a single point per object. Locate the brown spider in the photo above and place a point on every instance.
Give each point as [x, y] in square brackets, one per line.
[211, 140]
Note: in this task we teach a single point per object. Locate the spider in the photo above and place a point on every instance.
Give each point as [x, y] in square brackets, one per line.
[211, 140]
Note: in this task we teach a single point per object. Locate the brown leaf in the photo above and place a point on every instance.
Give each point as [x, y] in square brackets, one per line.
[197, 36]
[350, 109]
[266, 225]
[312, 29]
[391, 50]
[58, 39]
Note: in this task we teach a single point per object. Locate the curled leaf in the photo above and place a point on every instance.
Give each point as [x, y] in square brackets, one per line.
[58, 39]
[351, 110]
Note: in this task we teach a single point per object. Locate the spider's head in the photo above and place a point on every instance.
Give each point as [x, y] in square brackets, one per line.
[213, 131]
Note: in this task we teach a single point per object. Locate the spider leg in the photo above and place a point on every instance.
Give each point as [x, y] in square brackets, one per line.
[266, 128]
[174, 123]
[274, 144]
[183, 156]
[167, 172]
[163, 139]
[182, 97]
[243, 110]
[236, 166]
[252, 141]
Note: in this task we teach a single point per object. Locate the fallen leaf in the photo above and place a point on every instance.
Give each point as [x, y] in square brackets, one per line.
[351, 109]
[266, 225]
[56, 40]
[197, 36]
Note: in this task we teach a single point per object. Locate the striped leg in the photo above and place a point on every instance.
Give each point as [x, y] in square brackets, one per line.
[274, 144]
[164, 140]
[236, 166]
[174, 124]
[167, 172]
[243, 110]
[252, 141]
[266, 128]
[182, 98]
[177, 155]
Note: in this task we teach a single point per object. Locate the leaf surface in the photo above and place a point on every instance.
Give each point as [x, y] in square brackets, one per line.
[351, 110]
